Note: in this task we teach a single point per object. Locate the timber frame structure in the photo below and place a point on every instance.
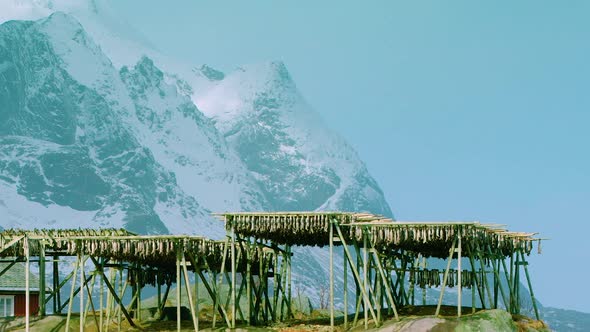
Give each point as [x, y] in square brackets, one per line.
[247, 276]
[124, 263]
[387, 259]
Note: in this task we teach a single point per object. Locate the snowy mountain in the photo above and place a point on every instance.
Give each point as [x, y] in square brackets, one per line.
[66, 143]
[86, 136]
[299, 163]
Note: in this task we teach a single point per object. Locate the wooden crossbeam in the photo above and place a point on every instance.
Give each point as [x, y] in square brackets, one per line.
[113, 293]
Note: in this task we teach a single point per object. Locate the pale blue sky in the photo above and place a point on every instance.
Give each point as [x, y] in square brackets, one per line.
[462, 110]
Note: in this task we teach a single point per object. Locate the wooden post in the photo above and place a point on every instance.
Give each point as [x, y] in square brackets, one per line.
[122, 290]
[386, 285]
[276, 284]
[42, 286]
[178, 282]
[114, 293]
[480, 289]
[345, 267]
[101, 297]
[90, 303]
[27, 285]
[424, 289]
[71, 302]
[189, 294]
[402, 279]
[482, 285]
[138, 281]
[215, 288]
[56, 288]
[511, 283]
[357, 284]
[211, 289]
[289, 296]
[442, 290]
[496, 283]
[496, 267]
[366, 281]
[82, 283]
[411, 279]
[265, 283]
[233, 278]
[331, 234]
[528, 279]
[195, 267]
[473, 298]
[249, 284]
[284, 300]
[517, 284]
[164, 299]
[376, 286]
[459, 286]
[355, 273]
[159, 291]
[484, 277]
[109, 301]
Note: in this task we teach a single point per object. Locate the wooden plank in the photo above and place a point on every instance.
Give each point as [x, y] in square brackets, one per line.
[187, 284]
[355, 272]
[27, 288]
[331, 240]
[442, 291]
[459, 284]
[528, 279]
[113, 293]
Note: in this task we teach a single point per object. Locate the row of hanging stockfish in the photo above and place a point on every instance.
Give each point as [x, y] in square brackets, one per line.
[12, 241]
[429, 239]
[149, 276]
[142, 251]
[117, 245]
[435, 278]
[311, 229]
[436, 239]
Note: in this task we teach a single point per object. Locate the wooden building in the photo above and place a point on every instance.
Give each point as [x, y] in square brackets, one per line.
[12, 291]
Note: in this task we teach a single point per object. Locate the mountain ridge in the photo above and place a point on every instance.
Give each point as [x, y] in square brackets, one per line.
[89, 143]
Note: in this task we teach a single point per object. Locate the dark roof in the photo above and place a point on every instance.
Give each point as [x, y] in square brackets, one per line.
[14, 278]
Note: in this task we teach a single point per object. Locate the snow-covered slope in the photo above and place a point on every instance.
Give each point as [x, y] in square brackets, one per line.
[123, 44]
[66, 144]
[67, 110]
[298, 161]
[153, 161]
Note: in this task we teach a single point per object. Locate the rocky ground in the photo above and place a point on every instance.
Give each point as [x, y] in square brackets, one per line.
[481, 321]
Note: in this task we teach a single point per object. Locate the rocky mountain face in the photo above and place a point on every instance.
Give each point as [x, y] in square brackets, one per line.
[66, 145]
[131, 146]
[297, 161]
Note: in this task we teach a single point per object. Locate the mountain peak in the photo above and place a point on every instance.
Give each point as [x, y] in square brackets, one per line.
[120, 41]
[274, 72]
[147, 67]
[63, 22]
